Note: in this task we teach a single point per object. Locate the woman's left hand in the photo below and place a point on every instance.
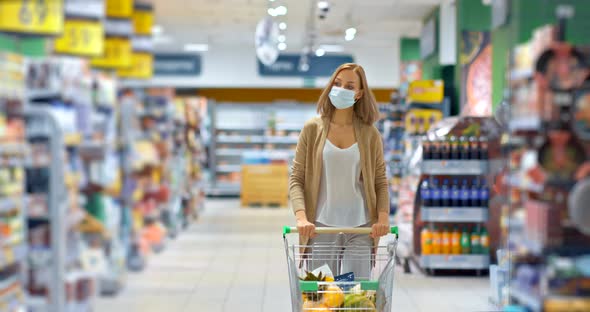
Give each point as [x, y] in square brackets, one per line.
[379, 229]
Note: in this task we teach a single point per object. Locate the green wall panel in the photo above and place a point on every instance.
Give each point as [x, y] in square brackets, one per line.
[410, 49]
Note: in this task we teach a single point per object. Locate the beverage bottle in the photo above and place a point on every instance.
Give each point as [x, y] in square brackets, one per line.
[425, 193]
[435, 193]
[436, 242]
[455, 194]
[474, 194]
[445, 194]
[435, 148]
[426, 148]
[456, 241]
[464, 194]
[454, 148]
[464, 147]
[484, 242]
[473, 148]
[484, 194]
[445, 149]
[465, 242]
[483, 148]
[446, 241]
[475, 241]
[426, 241]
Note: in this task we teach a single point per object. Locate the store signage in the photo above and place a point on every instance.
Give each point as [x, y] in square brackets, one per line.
[119, 8]
[94, 9]
[177, 65]
[117, 53]
[81, 37]
[288, 65]
[428, 39]
[142, 67]
[143, 19]
[40, 17]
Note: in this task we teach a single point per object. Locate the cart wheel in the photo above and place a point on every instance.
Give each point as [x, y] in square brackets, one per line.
[407, 267]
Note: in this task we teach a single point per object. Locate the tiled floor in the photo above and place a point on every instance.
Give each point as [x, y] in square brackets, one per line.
[233, 260]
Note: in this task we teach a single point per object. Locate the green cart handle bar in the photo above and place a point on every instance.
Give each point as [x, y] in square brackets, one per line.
[338, 230]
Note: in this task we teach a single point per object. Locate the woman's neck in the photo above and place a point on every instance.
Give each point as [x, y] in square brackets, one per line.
[343, 116]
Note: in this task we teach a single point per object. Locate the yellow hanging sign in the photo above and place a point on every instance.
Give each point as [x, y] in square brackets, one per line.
[39, 17]
[142, 66]
[143, 21]
[81, 37]
[117, 53]
[119, 8]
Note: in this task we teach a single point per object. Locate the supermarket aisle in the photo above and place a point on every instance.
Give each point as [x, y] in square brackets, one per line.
[233, 260]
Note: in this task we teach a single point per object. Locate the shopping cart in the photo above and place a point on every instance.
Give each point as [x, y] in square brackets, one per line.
[371, 287]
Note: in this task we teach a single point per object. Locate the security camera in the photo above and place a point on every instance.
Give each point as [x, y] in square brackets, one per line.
[324, 8]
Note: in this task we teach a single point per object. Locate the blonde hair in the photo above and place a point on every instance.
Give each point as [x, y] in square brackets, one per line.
[365, 108]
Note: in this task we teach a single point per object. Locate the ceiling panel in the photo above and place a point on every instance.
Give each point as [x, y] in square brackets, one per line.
[233, 22]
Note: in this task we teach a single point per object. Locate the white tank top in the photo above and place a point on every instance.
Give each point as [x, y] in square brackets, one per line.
[341, 202]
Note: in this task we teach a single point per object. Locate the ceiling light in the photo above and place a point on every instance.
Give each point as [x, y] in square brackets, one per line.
[320, 52]
[282, 46]
[271, 0]
[280, 10]
[351, 31]
[283, 26]
[349, 38]
[332, 48]
[282, 38]
[196, 47]
[323, 4]
[272, 12]
[157, 30]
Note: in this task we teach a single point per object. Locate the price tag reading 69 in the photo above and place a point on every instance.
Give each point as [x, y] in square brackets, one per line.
[81, 37]
[40, 17]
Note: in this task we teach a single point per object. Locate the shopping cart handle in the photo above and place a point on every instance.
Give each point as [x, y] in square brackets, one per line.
[337, 230]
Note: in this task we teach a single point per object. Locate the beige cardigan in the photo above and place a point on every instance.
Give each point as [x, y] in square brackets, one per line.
[304, 183]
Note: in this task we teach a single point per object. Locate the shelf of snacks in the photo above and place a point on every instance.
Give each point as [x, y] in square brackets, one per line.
[547, 183]
[13, 154]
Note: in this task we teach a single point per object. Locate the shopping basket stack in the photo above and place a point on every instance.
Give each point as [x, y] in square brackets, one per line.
[317, 286]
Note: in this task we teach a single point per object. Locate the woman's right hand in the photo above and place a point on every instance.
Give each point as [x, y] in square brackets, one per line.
[306, 228]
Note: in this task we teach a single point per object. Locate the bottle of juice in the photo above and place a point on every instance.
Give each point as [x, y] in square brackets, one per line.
[475, 243]
[465, 242]
[446, 241]
[426, 241]
[436, 242]
[484, 241]
[456, 241]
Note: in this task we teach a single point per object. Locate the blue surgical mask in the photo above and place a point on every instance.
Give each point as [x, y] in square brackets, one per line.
[342, 98]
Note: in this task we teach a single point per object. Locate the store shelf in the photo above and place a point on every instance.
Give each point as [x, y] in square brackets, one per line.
[240, 139]
[10, 255]
[233, 151]
[43, 94]
[531, 301]
[13, 149]
[454, 214]
[9, 203]
[229, 168]
[461, 262]
[524, 123]
[455, 167]
[282, 140]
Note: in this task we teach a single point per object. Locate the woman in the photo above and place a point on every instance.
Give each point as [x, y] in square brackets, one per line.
[338, 177]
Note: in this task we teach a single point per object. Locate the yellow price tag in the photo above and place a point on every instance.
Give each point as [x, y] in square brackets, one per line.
[117, 54]
[142, 66]
[119, 8]
[143, 21]
[43, 17]
[81, 37]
